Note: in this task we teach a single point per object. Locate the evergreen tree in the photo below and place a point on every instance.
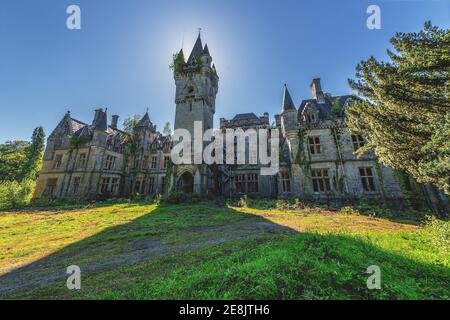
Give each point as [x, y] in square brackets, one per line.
[404, 110]
[35, 152]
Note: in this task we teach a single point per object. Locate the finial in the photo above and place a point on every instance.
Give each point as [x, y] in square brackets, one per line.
[199, 32]
[147, 110]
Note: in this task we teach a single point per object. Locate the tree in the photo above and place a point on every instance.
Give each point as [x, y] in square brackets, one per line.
[129, 124]
[13, 155]
[404, 110]
[35, 152]
[167, 129]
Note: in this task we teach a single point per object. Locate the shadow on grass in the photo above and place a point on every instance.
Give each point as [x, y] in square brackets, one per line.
[263, 254]
[404, 216]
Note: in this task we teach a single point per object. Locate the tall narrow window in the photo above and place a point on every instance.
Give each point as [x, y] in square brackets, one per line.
[358, 141]
[76, 185]
[166, 162]
[151, 185]
[145, 163]
[58, 161]
[314, 145]
[252, 183]
[115, 185]
[104, 186]
[81, 160]
[110, 162]
[320, 180]
[285, 182]
[154, 162]
[50, 188]
[367, 179]
[190, 107]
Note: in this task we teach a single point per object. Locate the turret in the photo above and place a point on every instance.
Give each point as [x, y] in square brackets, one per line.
[289, 121]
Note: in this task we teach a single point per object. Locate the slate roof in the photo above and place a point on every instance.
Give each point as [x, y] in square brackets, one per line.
[325, 108]
[245, 116]
[196, 51]
[287, 104]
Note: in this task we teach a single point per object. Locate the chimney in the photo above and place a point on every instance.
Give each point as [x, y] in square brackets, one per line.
[98, 112]
[316, 90]
[277, 120]
[114, 120]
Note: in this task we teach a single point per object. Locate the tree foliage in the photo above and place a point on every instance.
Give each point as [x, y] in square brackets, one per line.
[167, 129]
[404, 110]
[35, 152]
[13, 155]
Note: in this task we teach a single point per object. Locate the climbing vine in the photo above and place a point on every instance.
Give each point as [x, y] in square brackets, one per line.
[302, 158]
[415, 198]
[167, 181]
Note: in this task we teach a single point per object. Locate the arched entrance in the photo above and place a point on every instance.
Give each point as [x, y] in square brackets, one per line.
[186, 182]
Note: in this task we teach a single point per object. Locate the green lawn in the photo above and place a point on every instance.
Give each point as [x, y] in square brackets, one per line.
[137, 250]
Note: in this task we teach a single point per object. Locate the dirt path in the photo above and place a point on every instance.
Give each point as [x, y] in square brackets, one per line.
[42, 273]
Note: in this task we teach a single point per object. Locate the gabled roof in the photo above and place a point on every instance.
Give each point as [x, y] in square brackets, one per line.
[196, 51]
[145, 121]
[287, 104]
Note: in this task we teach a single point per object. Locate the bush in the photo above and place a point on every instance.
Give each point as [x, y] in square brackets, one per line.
[175, 197]
[439, 231]
[15, 194]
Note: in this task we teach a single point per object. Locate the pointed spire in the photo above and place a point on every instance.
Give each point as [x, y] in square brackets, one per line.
[145, 121]
[206, 50]
[197, 50]
[288, 104]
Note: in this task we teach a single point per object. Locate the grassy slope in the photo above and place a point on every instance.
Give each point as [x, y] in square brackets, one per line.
[317, 254]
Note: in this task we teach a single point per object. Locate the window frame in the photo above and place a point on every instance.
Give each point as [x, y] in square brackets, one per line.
[314, 145]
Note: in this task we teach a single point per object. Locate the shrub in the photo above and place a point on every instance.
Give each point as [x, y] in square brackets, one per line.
[243, 202]
[174, 197]
[15, 194]
[439, 231]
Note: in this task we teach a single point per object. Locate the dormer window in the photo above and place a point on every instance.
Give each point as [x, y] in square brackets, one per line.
[310, 117]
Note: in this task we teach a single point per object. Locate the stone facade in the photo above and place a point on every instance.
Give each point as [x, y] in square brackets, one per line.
[100, 161]
[317, 152]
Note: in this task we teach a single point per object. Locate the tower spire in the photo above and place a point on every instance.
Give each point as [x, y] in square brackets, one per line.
[288, 104]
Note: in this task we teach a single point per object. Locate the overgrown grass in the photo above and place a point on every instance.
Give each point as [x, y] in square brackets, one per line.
[314, 253]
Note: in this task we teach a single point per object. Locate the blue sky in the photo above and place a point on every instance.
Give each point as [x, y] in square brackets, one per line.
[120, 57]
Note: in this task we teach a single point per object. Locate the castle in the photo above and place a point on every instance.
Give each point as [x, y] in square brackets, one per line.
[317, 160]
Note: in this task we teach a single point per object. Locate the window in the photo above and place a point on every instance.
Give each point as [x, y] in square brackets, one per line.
[246, 183]
[58, 161]
[240, 183]
[314, 145]
[154, 159]
[320, 180]
[151, 185]
[137, 161]
[76, 185]
[252, 182]
[104, 186]
[110, 162]
[81, 160]
[358, 141]
[50, 188]
[367, 179]
[145, 163]
[190, 107]
[286, 182]
[115, 185]
[166, 162]
[310, 118]
[137, 186]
